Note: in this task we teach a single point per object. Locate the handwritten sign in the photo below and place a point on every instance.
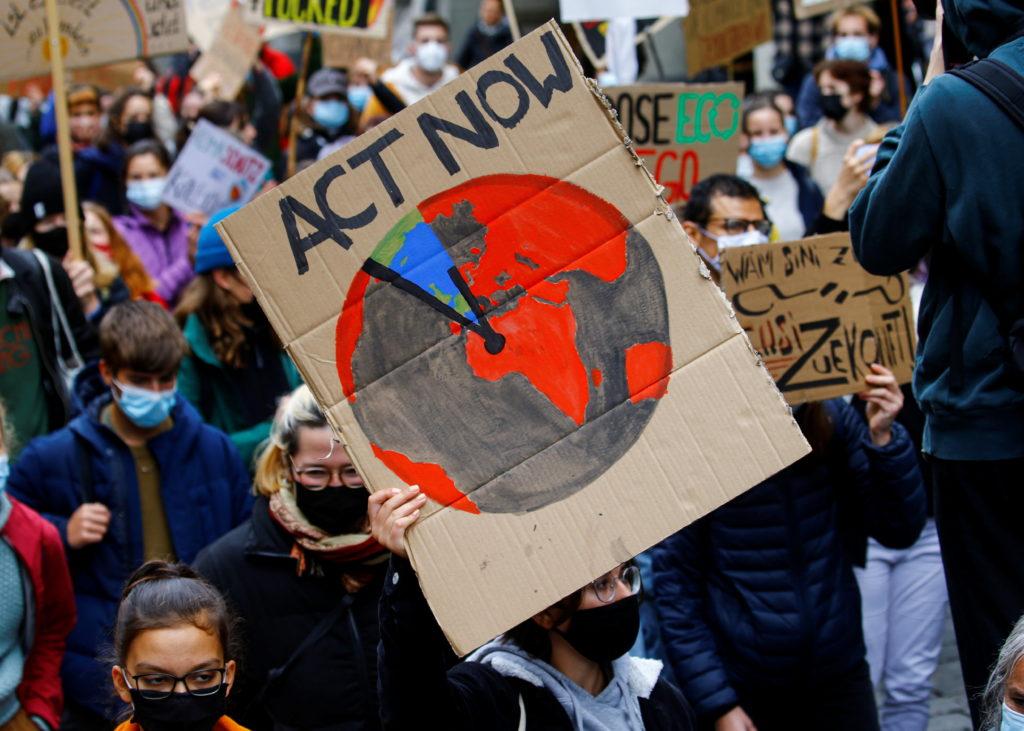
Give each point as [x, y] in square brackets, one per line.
[682, 132]
[478, 294]
[92, 33]
[343, 50]
[230, 55]
[215, 169]
[810, 8]
[717, 31]
[817, 318]
[370, 18]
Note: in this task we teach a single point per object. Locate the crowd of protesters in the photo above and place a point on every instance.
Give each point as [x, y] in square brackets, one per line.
[187, 544]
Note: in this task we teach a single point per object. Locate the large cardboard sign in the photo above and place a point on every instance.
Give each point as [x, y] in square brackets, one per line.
[92, 33]
[230, 55]
[572, 10]
[490, 299]
[369, 18]
[214, 170]
[343, 50]
[817, 318]
[810, 8]
[682, 132]
[717, 31]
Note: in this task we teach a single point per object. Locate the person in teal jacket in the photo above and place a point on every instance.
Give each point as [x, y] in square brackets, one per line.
[236, 370]
[947, 185]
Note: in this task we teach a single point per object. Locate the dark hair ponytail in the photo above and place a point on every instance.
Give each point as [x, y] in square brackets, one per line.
[160, 595]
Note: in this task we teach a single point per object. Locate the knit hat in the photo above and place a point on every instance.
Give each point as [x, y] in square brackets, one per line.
[41, 195]
[211, 253]
[327, 81]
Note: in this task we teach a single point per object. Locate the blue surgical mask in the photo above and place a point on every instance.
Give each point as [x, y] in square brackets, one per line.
[1012, 720]
[331, 113]
[768, 151]
[359, 96]
[144, 408]
[5, 470]
[146, 194]
[853, 48]
[792, 126]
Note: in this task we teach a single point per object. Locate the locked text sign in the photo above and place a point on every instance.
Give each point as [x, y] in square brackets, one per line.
[91, 33]
[490, 299]
[817, 318]
[682, 132]
[368, 18]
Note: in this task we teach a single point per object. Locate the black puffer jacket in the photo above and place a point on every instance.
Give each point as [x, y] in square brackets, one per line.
[761, 591]
[310, 647]
[422, 686]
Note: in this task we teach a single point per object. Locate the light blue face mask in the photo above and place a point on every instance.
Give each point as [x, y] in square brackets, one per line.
[853, 48]
[359, 96]
[144, 408]
[792, 126]
[5, 470]
[146, 194]
[331, 113]
[1012, 720]
[768, 151]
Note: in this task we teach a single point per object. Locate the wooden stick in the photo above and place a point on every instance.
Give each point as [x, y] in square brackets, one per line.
[513, 23]
[897, 26]
[300, 93]
[66, 155]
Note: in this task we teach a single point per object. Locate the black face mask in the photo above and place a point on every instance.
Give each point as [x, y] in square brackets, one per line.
[832, 107]
[136, 131]
[605, 633]
[179, 711]
[335, 510]
[54, 242]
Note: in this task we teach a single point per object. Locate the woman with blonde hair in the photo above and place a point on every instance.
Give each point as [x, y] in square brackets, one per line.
[235, 371]
[112, 257]
[305, 555]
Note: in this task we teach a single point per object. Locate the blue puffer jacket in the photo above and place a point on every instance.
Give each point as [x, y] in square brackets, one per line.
[761, 592]
[205, 490]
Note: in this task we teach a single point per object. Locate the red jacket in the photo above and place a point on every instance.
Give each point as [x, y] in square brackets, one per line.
[41, 553]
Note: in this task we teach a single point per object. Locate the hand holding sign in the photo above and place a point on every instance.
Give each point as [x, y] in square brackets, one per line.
[392, 512]
[884, 403]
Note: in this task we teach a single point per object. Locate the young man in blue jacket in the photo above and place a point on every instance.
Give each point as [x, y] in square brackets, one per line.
[138, 476]
[947, 185]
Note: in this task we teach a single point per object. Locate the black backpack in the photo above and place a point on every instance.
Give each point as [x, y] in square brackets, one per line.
[1005, 87]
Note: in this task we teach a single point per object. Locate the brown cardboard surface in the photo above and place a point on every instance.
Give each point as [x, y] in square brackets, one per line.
[817, 318]
[342, 50]
[717, 31]
[229, 56]
[683, 132]
[810, 8]
[624, 401]
[92, 34]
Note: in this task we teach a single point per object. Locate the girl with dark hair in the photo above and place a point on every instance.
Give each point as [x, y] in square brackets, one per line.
[173, 651]
[564, 668]
[235, 371]
[154, 230]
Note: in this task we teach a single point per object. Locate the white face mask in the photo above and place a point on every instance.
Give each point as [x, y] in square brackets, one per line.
[747, 238]
[431, 56]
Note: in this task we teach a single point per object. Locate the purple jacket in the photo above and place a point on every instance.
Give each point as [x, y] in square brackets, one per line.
[164, 254]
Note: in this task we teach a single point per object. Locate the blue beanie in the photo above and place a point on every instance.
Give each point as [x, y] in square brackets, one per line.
[211, 253]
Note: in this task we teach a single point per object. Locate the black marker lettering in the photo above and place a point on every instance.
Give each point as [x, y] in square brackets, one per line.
[372, 154]
[560, 80]
[481, 135]
[491, 78]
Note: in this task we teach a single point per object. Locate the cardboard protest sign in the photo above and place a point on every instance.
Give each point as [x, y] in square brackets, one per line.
[682, 132]
[717, 31]
[490, 299]
[817, 318]
[593, 37]
[92, 33]
[343, 50]
[215, 169]
[230, 55]
[603, 9]
[370, 18]
[809, 8]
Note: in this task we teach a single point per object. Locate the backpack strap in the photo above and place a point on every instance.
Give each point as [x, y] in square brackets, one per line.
[998, 82]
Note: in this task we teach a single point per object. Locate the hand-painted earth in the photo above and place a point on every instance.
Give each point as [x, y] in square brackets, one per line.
[506, 343]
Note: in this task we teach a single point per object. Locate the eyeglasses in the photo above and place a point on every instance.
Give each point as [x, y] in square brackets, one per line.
[607, 586]
[733, 226]
[317, 478]
[157, 686]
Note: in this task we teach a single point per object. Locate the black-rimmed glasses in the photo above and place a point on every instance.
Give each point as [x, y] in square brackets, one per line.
[157, 686]
[607, 586]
